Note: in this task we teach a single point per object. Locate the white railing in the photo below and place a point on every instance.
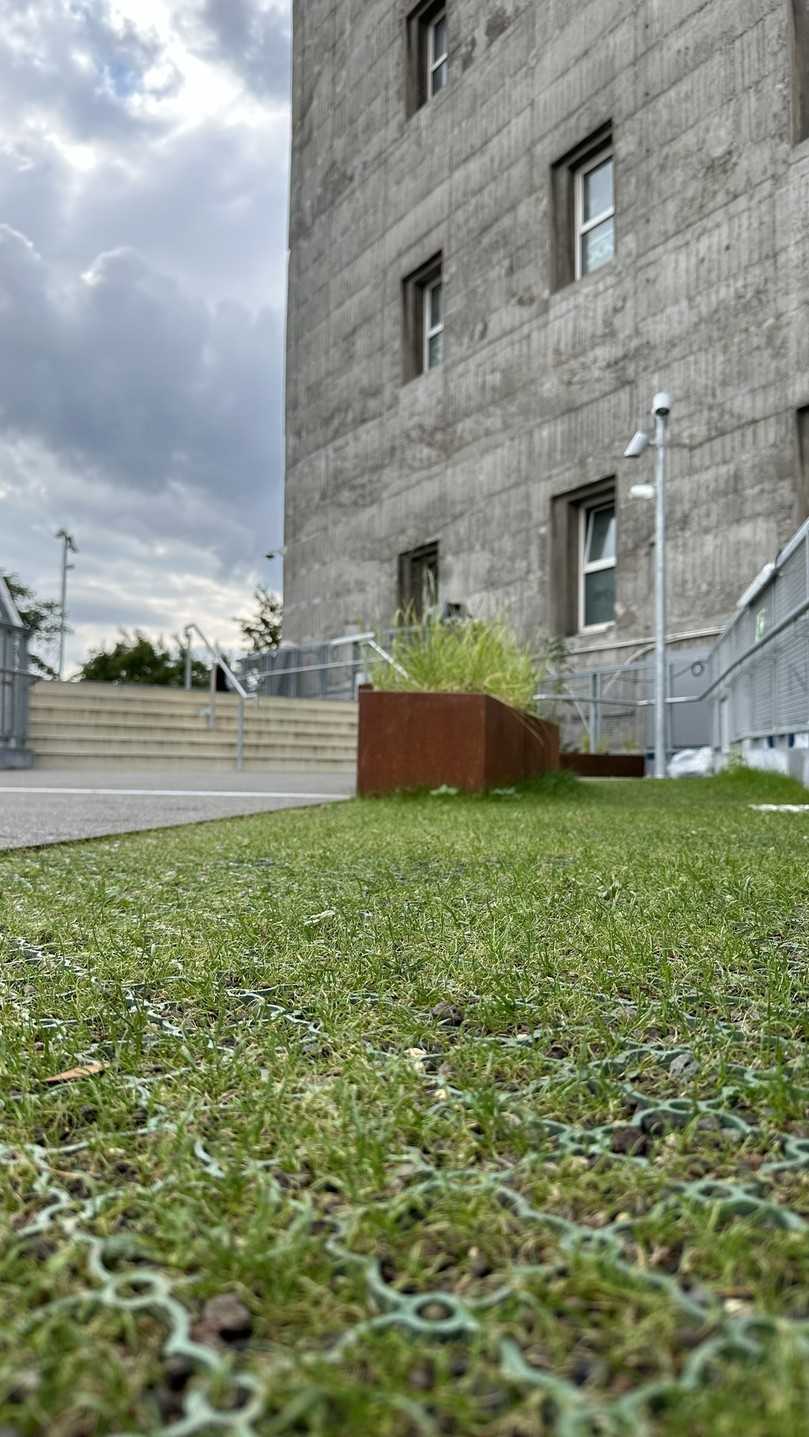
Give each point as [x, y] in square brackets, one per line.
[759, 669]
[218, 664]
[332, 669]
[614, 704]
[15, 683]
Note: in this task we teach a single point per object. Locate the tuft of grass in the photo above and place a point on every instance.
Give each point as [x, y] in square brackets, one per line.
[485, 1117]
[756, 786]
[471, 656]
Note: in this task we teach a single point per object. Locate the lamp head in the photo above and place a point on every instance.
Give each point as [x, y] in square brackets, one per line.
[662, 405]
[643, 491]
[637, 445]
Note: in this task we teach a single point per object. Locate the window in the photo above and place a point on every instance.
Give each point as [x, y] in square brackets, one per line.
[583, 558]
[418, 580]
[583, 209]
[800, 69]
[803, 462]
[597, 564]
[437, 55]
[595, 214]
[433, 323]
[423, 320]
[427, 53]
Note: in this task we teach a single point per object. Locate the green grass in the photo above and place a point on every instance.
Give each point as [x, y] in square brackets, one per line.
[478, 656]
[490, 1115]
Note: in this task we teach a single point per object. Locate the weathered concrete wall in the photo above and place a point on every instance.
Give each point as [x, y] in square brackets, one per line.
[708, 296]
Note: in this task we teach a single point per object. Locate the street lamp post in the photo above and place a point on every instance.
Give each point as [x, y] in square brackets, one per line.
[661, 409]
[68, 547]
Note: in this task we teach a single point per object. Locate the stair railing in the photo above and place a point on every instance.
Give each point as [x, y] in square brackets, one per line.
[218, 661]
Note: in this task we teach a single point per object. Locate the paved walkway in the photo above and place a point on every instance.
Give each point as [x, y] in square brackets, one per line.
[43, 806]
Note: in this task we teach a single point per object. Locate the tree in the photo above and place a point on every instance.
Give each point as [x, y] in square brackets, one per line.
[135, 659]
[43, 619]
[261, 630]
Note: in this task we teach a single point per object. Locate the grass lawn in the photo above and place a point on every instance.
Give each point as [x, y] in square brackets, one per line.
[419, 1116]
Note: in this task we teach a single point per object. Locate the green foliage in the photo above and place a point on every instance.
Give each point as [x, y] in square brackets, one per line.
[136, 659]
[738, 780]
[42, 617]
[475, 656]
[261, 630]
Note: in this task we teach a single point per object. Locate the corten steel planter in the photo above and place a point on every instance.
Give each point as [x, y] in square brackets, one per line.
[605, 765]
[472, 742]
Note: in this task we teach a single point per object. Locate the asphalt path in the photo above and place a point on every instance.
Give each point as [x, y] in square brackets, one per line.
[43, 806]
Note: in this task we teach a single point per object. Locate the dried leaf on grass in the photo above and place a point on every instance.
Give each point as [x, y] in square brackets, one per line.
[72, 1075]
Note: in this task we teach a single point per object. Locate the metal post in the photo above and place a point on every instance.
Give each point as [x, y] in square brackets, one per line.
[240, 737]
[212, 697]
[188, 657]
[661, 686]
[68, 547]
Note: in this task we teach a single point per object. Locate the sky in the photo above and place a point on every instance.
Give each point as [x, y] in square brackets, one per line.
[143, 195]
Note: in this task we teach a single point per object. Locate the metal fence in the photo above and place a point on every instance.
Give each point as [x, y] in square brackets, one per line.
[329, 670]
[758, 675]
[306, 671]
[607, 707]
[14, 685]
[611, 708]
[752, 686]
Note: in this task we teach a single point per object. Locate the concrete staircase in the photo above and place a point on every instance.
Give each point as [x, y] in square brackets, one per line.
[134, 726]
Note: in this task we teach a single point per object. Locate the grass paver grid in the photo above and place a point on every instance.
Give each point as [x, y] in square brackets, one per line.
[416, 1116]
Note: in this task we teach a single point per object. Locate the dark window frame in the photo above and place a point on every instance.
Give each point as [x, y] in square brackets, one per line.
[802, 441]
[413, 565]
[414, 290]
[417, 38]
[799, 61]
[564, 178]
[566, 555]
[588, 567]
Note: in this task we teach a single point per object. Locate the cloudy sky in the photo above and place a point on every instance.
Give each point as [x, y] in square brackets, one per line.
[143, 174]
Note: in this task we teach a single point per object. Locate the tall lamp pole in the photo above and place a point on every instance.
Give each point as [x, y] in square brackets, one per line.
[68, 548]
[661, 408]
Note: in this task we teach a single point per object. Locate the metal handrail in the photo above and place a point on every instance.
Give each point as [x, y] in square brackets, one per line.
[616, 703]
[216, 657]
[218, 661]
[367, 640]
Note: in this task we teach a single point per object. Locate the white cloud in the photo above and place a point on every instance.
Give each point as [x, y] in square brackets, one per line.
[143, 156]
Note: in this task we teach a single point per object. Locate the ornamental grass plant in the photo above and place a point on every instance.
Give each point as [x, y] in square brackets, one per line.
[469, 656]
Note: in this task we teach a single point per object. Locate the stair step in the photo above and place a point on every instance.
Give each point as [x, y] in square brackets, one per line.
[101, 726]
[143, 695]
[190, 764]
[159, 758]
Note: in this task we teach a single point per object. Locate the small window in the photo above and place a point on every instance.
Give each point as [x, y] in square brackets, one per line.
[418, 581]
[427, 53]
[800, 69]
[423, 320]
[595, 214]
[583, 209]
[803, 462]
[433, 324]
[437, 55]
[597, 565]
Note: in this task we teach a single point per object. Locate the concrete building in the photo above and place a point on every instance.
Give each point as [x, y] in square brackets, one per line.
[512, 221]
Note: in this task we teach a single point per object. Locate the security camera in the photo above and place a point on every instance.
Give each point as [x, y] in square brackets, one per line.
[637, 445]
[662, 405]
